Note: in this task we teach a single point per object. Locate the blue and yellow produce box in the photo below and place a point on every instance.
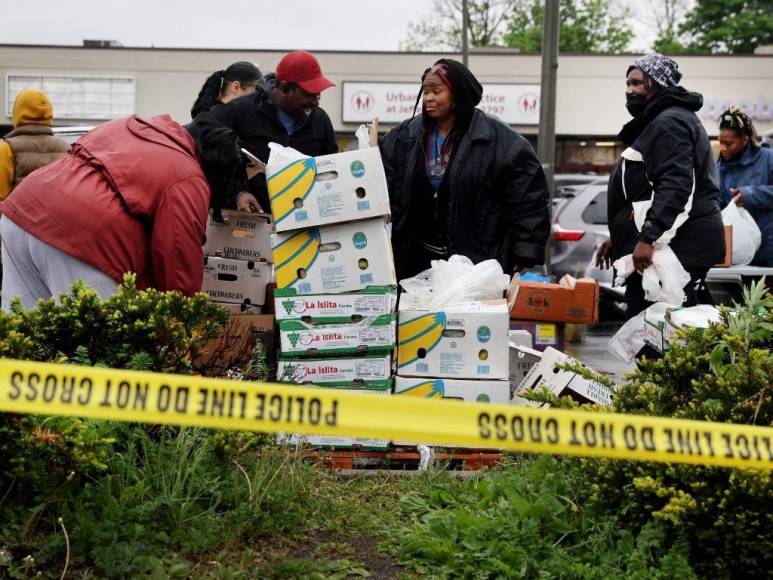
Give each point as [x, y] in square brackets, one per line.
[470, 390]
[315, 191]
[337, 258]
[463, 341]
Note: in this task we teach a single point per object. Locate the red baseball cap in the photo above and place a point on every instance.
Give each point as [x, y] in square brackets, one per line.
[302, 68]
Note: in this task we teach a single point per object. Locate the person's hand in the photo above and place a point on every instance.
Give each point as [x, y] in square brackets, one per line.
[247, 202]
[604, 255]
[642, 256]
[737, 197]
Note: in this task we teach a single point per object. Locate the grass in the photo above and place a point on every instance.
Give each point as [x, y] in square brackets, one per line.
[190, 503]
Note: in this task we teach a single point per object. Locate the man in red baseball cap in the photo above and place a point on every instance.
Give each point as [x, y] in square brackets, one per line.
[302, 68]
[288, 113]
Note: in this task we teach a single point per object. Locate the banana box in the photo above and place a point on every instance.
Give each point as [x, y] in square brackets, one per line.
[368, 372]
[338, 258]
[236, 281]
[244, 236]
[550, 373]
[464, 341]
[299, 338]
[372, 301]
[469, 391]
[330, 189]
[472, 391]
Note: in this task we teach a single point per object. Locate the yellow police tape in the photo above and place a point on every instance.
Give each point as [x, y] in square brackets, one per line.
[98, 393]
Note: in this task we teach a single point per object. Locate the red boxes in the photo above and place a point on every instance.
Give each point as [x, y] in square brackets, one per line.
[555, 302]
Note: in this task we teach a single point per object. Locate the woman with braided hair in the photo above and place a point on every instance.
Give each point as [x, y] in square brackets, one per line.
[746, 176]
[461, 181]
[239, 79]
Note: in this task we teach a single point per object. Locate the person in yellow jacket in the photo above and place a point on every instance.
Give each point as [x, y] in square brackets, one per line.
[31, 144]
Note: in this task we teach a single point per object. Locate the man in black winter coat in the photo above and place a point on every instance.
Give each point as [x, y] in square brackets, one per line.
[287, 113]
[462, 182]
[668, 175]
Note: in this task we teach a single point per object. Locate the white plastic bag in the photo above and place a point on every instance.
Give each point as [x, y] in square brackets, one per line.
[363, 136]
[629, 339]
[279, 155]
[453, 281]
[747, 236]
[700, 316]
[663, 281]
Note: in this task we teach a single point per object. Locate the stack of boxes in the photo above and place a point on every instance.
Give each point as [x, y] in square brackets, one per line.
[459, 352]
[336, 288]
[237, 269]
[237, 261]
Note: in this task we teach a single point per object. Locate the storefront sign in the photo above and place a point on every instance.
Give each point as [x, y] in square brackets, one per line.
[394, 102]
[759, 108]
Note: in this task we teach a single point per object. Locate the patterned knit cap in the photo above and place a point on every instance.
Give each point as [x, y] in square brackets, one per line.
[662, 69]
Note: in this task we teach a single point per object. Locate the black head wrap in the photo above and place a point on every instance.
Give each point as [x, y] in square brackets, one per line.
[465, 88]
[220, 158]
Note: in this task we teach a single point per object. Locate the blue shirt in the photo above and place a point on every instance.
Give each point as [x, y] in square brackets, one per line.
[287, 120]
[435, 167]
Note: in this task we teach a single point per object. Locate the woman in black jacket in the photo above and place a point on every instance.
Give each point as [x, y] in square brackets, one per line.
[462, 182]
[667, 176]
[239, 79]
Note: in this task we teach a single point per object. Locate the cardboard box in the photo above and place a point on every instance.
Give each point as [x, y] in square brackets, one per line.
[334, 442]
[728, 261]
[298, 338]
[464, 341]
[234, 346]
[472, 391]
[563, 382]
[372, 301]
[369, 372]
[240, 308]
[698, 317]
[236, 281]
[468, 391]
[522, 359]
[245, 236]
[545, 334]
[521, 337]
[330, 189]
[554, 302]
[338, 258]
[655, 326]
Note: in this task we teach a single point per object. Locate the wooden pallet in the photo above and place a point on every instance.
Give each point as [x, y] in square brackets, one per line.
[401, 458]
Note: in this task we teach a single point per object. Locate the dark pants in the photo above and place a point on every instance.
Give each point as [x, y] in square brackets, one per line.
[634, 293]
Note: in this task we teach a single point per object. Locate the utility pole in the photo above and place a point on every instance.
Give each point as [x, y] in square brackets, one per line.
[546, 140]
[465, 32]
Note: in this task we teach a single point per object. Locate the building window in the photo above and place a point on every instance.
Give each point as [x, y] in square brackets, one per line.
[98, 98]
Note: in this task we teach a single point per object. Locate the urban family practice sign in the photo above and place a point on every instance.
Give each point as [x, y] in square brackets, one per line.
[394, 102]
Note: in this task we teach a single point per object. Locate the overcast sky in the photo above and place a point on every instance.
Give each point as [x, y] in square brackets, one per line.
[244, 24]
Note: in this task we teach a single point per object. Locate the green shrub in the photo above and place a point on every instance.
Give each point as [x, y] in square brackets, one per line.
[723, 374]
[47, 460]
[140, 329]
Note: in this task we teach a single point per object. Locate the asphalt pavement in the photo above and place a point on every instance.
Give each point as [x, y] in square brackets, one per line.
[592, 351]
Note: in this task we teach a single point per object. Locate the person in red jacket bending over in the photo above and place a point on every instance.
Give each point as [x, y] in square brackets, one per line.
[131, 196]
